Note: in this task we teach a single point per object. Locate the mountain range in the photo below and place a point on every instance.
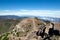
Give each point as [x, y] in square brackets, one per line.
[20, 17]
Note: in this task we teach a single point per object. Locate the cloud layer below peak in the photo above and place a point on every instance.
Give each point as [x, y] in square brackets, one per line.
[22, 12]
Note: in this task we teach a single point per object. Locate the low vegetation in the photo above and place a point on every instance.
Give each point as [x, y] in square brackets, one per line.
[6, 25]
[26, 26]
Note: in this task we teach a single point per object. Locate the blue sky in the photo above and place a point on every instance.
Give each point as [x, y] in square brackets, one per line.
[29, 4]
[30, 7]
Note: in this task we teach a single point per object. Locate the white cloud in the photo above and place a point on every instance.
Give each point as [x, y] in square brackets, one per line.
[50, 13]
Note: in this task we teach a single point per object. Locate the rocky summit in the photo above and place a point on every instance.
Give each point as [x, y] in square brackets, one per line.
[30, 29]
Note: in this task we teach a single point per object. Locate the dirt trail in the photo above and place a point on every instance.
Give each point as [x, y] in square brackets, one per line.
[32, 33]
[29, 35]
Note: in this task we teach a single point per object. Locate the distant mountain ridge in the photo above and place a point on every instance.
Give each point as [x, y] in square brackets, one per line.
[9, 17]
[20, 17]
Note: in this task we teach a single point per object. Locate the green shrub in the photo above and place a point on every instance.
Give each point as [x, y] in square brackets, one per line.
[0, 37]
[17, 34]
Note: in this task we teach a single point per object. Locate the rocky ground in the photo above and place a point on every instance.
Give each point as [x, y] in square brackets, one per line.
[26, 30]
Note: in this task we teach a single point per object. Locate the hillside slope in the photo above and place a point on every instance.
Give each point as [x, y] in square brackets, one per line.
[26, 30]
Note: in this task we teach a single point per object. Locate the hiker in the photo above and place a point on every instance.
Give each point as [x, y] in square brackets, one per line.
[41, 31]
